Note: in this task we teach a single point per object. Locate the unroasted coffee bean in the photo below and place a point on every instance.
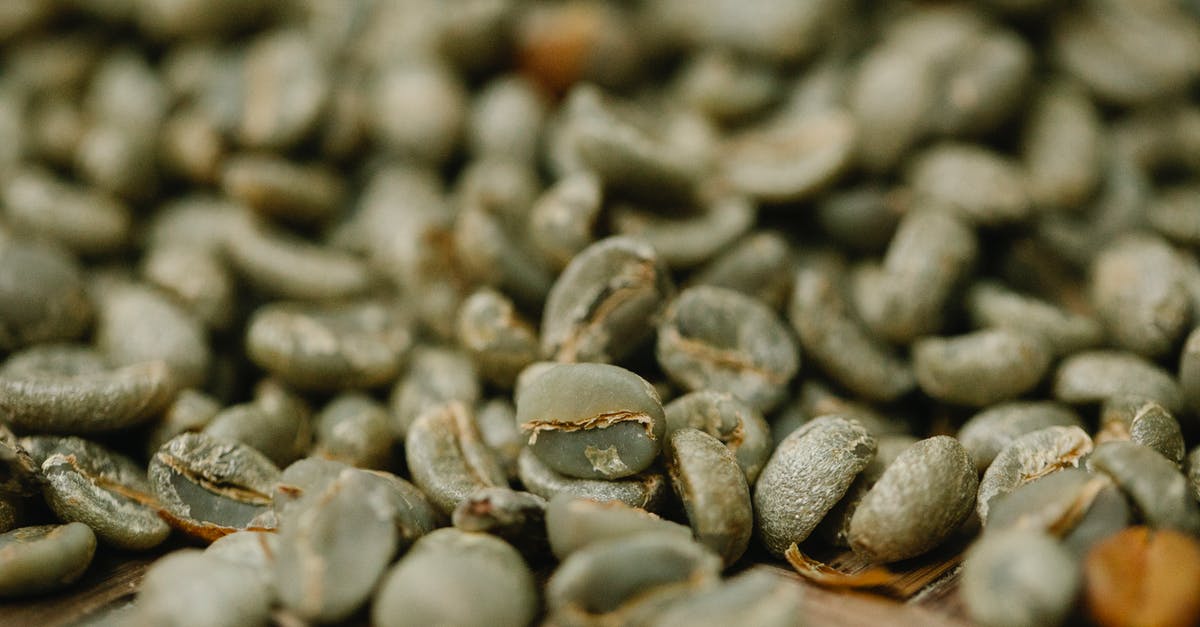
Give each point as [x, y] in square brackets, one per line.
[891, 96]
[737, 425]
[353, 428]
[500, 341]
[281, 431]
[562, 221]
[1062, 141]
[454, 577]
[755, 597]
[1093, 376]
[435, 376]
[208, 487]
[756, 265]
[1019, 578]
[1145, 315]
[1144, 576]
[288, 267]
[982, 186]
[189, 588]
[42, 559]
[687, 240]
[447, 457]
[790, 158]
[42, 297]
[136, 324]
[573, 522]
[1081, 508]
[518, 518]
[807, 474]
[725, 87]
[991, 304]
[605, 302]
[609, 579]
[922, 498]
[1154, 484]
[833, 338]
[719, 339]
[38, 394]
[980, 368]
[358, 345]
[506, 119]
[253, 550]
[108, 492]
[195, 276]
[418, 109]
[592, 421]
[496, 420]
[1192, 470]
[1025, 458]
[19, 470]
[1171, 215]
[1189, 371]
[714, 492]
[333, 547]
[282, 189]
[986, 433]
[1143, 422]
[647, 489]
[835, 527]
[82, 220]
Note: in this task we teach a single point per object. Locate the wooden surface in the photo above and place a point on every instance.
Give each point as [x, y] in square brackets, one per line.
[925, 594]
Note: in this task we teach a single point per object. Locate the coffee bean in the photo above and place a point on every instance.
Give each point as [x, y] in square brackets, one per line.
[1061, 141]
[1093, 376]
[447, 457]
[573, 522]
[792, 157]
[1154, 484]
[714, 492]
[1144, 316]
[500, 341]
[353, 428]
[737, 425]
[756, 265]
[988, 432]
[981, 186]
[518, 518]
[690, 239]
[435, 376]
[1027, 457]
[136, 324]
[218, 592]
[1019, 577]
[647, 489]
[1143, 422]
[44, 558]
[1081, 508]
[991, 304]
[42, 297]
[1143, 576]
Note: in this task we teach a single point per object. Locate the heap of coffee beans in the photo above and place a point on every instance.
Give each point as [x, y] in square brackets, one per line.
[495, 312]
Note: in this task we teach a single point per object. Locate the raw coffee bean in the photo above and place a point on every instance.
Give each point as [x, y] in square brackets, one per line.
[833, 338]
[922, 498]
[506, 120]
[282, 434]
[563, 219]
[780, 32]
[816, 399]
[447, 457]
[990, 304]
[490, 252]
[108, 492]
[1144, 576]
[727, 88]
[983, 187]
[610, 579]
[1192, 468]
[1032, 455]
[435, 376]
[1080, 507]
[284, 90]
[891, 96]
[196, 277]
[688, 240]
[980, 368]
[496, 420]
[43, 398]
[252, 550]
[986, 433]
[1143, 422]
[42, 296]
[906, 297]
[807, 474]
[282, 189]
[500, 341]
[1189, 372]
[516, 517]
[418, 110]
[330, 347]
[354, 428]
[1172, 216]
[605, 303]
[755, 597]
[1093, 376]
[835, 527]
[647, 489]
[281, 265]
[43, 559]
[1019, 578]
[1062, 141]
[789, 158]
[1154, 484]
[574, 522]
[713, 490]
[997, 63]
[196, 220]
[735, 424]
[862, 218]
[333, 548]
[718, 339]
[592, 421]
[84, 221]
[1136, 289]
[191, 145]
[208, 487]
[136, 324]
[757, 265]
[454, 577]
[189, 588]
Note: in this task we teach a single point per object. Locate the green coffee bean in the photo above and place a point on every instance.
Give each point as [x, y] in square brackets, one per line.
[893, 118]
[500, 341]
[713, 489]
[506, 119]
[87, 483]
[253, 550]
[921, 498]
[518, 518]
[1189, 373]
[592, 421]
[574, 522]
[815, 399]
[725, 87]
[687, 240]
[1080, 507]
[447, 457]
[755, 597]
[722, 340]
[281, 265]
[986, 433]
[195, 276]
[20, 473]
[1144, 422]
[495, 254]
[81, 219]
[435, 376]
[832, 337]
[807, 474]
[1061, 144]
[1063, 333]
[756, 265]
[788, 158]
[1154, 484]
[1027, 457]
[1192, 470]
[496, 420]
[217, 592]
[44, 559]
[783, 32]
[282, 189]
[1093, 376]
[453, 577]
[562, 221]
[1019, 578]
[282, 434]
[136, 324]
[605, 302]
[1170, 215]
[42, 297]
[208, 487]
[861, 218]
[1145, 316]
[983, 187]
[737, 425]
[418, 109]
[354, 428]
[330, 347]
[333, 548]
[979, 368]
[205, 222]
[283, 91]
[834, 528]
[647, 489]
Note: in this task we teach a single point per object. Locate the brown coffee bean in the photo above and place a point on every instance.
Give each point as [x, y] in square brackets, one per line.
[1144, 576]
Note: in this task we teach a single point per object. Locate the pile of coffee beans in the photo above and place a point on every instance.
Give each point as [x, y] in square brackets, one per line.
[501, 312]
